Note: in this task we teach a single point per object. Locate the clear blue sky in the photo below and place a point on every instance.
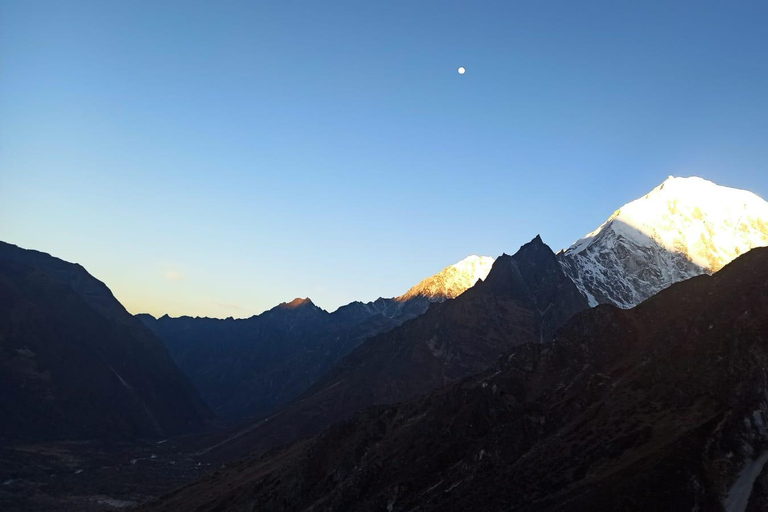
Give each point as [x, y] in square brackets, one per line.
[215, 158]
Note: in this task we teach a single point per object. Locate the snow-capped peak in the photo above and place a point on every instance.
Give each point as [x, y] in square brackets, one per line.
[452, 281]
[681, 228]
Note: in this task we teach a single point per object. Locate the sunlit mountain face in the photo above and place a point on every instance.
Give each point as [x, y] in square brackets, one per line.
[682, 228]
[452, 281]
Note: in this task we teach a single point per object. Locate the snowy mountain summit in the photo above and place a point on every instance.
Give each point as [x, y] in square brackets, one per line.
[452, 281]
[682, 228]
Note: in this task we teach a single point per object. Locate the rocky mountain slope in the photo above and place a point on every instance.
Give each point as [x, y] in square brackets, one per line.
[75, 364]
[524, 299]
[682, 228]
[251, 366]
[660, 407]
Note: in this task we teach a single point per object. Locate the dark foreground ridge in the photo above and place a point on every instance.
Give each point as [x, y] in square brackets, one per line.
[76, 365]
[662, 407]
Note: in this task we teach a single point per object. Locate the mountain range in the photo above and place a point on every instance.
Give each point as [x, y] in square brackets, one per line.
[524, 299]
[660, 407]
[626, 372]
[682, 228]
[251, 366]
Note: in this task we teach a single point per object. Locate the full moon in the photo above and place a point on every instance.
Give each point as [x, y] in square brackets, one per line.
[461, 70]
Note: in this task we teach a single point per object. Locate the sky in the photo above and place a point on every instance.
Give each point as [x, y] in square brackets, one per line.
[217, 158]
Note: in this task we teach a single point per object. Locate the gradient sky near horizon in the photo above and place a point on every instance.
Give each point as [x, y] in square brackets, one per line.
[216, 158]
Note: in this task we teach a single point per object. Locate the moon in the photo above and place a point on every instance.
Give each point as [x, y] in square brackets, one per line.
[461, 70]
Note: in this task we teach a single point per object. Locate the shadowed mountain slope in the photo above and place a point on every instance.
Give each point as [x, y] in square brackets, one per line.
[76, 365]
[525, 298]
[251, 366]
[662, 407]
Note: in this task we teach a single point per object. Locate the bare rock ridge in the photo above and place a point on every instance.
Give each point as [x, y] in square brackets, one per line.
[76, 365]
[297, 302]
[683, 228]
[660, 407]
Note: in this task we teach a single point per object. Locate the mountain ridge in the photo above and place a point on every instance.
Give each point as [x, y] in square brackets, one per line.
[245, 367]
[524, 298]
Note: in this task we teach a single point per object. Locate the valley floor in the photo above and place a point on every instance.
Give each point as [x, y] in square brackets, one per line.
[93, 476]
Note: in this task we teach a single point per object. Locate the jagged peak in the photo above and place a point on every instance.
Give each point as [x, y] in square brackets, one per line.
[504, 278]
[536, 243]
[297, 303]
[533, 259]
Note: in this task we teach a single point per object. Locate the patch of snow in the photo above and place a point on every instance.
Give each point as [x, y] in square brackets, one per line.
[122, 381]
[115, 503]
[452, 487]
[739, 493]
[432, 488]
